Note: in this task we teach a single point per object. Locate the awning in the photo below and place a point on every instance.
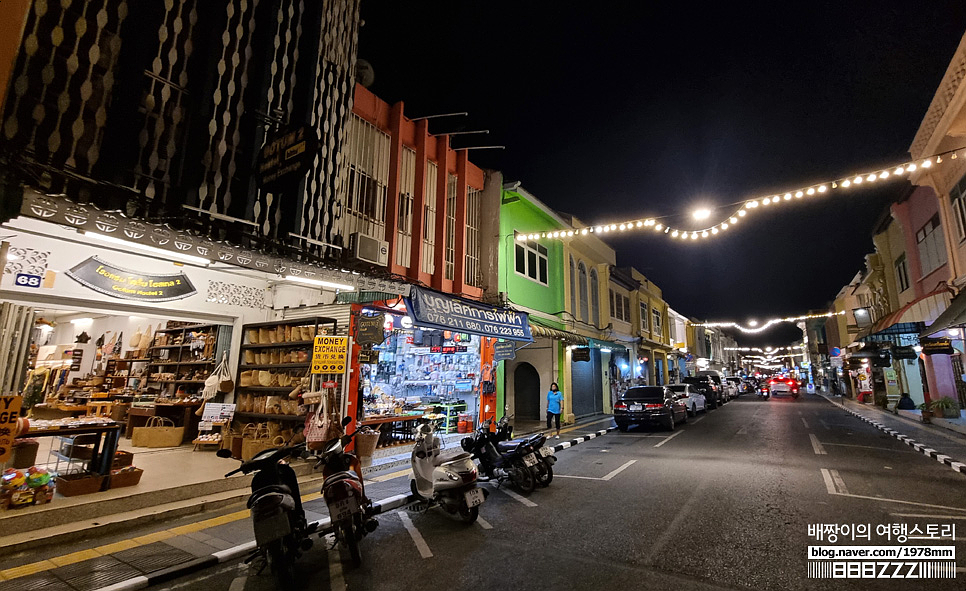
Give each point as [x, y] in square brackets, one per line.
[954, 315]
[910, 319]
[560, 335]
[606, 345]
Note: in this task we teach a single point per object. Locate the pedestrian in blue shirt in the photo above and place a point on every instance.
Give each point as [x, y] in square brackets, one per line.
[554, 406]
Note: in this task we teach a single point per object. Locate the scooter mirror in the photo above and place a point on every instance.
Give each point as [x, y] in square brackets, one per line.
[346, 439]
[346, 421]
[223, 453]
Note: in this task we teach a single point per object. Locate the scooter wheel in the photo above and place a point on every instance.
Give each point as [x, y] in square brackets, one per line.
[352, 542]
[281, 565]
[545, 473]
[468, 514]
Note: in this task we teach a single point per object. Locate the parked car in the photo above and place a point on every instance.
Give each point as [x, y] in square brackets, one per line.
[718, 379]
[692, 398]
[736, 384]
[706, 386]
[781, 386]
[649, 405]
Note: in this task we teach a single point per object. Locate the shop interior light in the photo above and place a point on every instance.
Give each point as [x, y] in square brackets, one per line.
[320, 283]
[188, 258]
[604, 350]
[82, 321]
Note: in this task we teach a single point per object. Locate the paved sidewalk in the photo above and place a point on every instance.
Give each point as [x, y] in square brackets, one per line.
[170, 546]
[936, 442]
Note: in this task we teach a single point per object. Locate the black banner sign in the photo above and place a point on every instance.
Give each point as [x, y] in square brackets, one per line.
[285, 159]
[368, 356]
[937, 346]
[504, 350]
[130, 285]
[369, 329]
[580, 354]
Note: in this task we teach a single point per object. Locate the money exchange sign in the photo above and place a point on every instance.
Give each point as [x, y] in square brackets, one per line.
[330, 354]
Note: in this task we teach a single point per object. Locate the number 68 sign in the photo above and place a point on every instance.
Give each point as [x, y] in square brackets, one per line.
[24, 280]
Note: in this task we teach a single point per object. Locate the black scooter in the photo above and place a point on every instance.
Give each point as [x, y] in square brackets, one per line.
[281, 530]
[501, 460]
[543, 466]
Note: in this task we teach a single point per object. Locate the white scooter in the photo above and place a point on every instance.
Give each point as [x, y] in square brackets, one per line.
[447, 480]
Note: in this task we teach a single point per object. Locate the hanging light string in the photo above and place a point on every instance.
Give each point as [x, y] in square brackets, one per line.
[746, 207]
[766, 325]
[766, 349]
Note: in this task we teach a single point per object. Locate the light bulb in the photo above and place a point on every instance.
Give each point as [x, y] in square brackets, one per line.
[911, 168]
[822, 189]
[846, 183]
[774, 199]
[639, 224]
[584, 231]
[811, 191]
[694, 236]
[751, 204]
[701, 214]
[658, 227]
[714, 230]
[788, 197]
[674, 234]
[724, 225]
[899, 170]
[599, 229]
[623, 227]
[884, 174]
[570, 233]
[857, 180]
[799, 194]
[606, 228]
[704, 234]
[734, 220]
[556, 234]
[926, 163]
[871, 177]
[766, 201]
[522, 237]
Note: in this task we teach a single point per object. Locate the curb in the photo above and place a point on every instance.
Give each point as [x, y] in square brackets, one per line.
[203, 562]
[926, 451]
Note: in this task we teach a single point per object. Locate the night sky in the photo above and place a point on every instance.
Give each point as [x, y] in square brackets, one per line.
[632, 112]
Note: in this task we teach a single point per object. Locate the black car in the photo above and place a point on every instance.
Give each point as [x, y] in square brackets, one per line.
[704, 384]
[649, 405]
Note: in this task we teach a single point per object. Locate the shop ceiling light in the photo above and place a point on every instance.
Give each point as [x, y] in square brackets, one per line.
[188, 258]
[82, 321]
[320, 283]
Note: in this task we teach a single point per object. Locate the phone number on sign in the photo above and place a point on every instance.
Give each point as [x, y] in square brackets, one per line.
[474, 326]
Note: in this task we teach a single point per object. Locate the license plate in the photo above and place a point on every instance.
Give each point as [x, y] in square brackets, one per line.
[635, 407]
[339, 510]
[546, 451]
[271, 527]
[473, 497]
[530, 460]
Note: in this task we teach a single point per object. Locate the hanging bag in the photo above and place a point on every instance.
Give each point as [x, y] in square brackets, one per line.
[147, 337]
[135, 339]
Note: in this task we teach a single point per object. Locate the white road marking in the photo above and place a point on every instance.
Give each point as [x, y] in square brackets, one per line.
[669, 438]
[640, 435]
[869, 447]
[617, 471]
[336, 581]
[897, 501]
[824, 424]
[816, 446]
[516, 496]
[804, 422]
[742, 431]
[238, 584]
[839, 483]
[417, 537]
[930, 515]
[829, 484]
[701, 418]
[483, 523]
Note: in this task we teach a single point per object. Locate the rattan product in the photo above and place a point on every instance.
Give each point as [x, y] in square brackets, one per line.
[250, 357]
[253, 336]
[265, 378]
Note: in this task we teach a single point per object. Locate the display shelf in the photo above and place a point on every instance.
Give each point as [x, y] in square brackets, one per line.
[268, 388]
[271, 417]
[285, 344]
[184, 363]
[188, 328]
[177, 381]
[170, 346]
[276, 366]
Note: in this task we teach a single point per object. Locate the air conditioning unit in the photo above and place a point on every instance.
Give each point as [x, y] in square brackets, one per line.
[369, 249]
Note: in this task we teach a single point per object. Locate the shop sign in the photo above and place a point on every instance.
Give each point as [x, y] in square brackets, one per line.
[504, 350]
[904, 353]
[368, 356]
[76, 356]
[433, 309]
[330, 384]
[450, 349]
[937, 346]
[131, 285]
[9, 413]
[420, 350]
[370, 329]
[581, 354]
[25, 280]
[330, 354]
[285, 159]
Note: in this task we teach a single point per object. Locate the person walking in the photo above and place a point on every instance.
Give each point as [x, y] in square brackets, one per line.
[554, 406]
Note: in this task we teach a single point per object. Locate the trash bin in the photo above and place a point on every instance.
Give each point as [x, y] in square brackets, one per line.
[24, 453]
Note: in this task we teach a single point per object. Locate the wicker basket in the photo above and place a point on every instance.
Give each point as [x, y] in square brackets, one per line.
[366, 443]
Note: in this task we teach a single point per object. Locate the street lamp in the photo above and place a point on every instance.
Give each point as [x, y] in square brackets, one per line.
[701, 214]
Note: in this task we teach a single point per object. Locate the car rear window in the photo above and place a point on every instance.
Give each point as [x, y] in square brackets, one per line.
[644, 393]
[677, 388]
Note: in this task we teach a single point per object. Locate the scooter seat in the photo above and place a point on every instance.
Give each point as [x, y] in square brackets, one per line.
[450, 457]
[280, 490]
[505, 446]
[347, 474]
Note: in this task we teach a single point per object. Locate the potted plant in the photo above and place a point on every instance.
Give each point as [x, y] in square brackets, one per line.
[947, 407]
[926, 409]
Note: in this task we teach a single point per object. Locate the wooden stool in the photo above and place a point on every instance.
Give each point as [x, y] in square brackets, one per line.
[100, 408]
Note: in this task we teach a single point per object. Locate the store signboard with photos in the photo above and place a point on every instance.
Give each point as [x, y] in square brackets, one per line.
[127, 284]
[432, 309]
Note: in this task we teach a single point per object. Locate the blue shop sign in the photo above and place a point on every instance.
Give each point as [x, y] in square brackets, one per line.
[432, 309]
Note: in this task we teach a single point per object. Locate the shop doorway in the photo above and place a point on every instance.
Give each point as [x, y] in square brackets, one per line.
[588, 386]
[526, 392]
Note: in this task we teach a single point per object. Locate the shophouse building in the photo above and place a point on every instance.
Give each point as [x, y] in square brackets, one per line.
[678, 339]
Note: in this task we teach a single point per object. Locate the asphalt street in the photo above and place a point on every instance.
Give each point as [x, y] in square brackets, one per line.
[723, 502]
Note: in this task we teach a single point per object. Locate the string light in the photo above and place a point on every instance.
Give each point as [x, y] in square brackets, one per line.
[751, 205]
[762, 327]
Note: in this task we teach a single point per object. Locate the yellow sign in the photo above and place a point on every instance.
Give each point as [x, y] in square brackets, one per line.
[9, 413]
[330, 354]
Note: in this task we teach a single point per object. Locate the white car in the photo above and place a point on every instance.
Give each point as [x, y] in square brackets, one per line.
[693, 399]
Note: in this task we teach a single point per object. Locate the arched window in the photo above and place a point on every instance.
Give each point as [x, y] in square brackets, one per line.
[582, 279]
[573, 287]
[594, 299]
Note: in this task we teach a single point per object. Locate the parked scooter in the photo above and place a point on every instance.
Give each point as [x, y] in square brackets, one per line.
[502, 460]
[344, 494]
[543, 467]
[447, 480]
[281, 530]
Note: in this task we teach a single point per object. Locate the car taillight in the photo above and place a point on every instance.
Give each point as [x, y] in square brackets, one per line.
[653, 406]
[771, 382]
[621, 406]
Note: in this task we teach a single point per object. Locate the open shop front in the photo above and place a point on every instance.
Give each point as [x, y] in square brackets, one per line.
[430, 357]
[114, 343]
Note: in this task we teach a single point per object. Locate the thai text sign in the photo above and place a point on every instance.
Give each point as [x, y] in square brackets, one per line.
[9, 413]
[433, 309]
[937, 346]
[504, 350]
[330, 354]
[130, 285]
